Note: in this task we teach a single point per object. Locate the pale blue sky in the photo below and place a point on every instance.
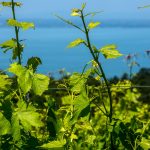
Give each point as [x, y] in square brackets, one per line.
[113, 9]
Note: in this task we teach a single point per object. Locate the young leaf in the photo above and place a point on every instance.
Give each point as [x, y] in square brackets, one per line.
[4, 125]
[25, 80]
[75, 12]
[92, 25]
[81, 107]
[23, 25]
[16, 69]
[15, 127]
[28, 80]
[28, 116]
[34, 62]
[145, 144]
[9, 44]
[12, 45]
[9, 4]
[77, 82]
[5, 82]
[29, 119]
[54, 144]
[110, 51]
[76, 43]
[83, 5]
[40, 84]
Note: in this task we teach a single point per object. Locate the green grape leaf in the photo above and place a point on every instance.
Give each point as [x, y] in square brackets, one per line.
[5, 126]
[81, 107]
[27, 25]
[81, 102]
[145, 144]
[9, 44]
[29, 119]
[12, 45]
[75, 12]
[92, 25]
[15, 127]
[23, 25]
[9, 4]
[24, 76]
[25, 80]
[5, 82]
[76, 43]
[34, 62]
[40, 84]
[77, 82]
[83, 6]
[54, 144]
[16, 69]
[90, 139]
[25, 118]
[28, 80]
[110, 51]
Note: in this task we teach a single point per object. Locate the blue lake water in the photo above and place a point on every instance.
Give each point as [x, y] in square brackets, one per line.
[50, 45]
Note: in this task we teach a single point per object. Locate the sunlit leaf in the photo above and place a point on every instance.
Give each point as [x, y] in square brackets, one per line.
[25, 80]
[77, 82]
[12, 45]
[23, 25]
[16, 69]
[110, 51]
[5, 126]
[5, 82]
[83, 6]
[29, 119]
[9, 4]
[15, 128]
[145, 144]
[9, 44]
[24, 118]
[54, 144]
[28, 80]
[76, 43]
[92, 25]
[75, 12]
[40, 83]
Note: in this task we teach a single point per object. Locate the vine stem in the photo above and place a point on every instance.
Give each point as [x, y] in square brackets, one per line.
[16, 33]
[99, 65]
[102, 71]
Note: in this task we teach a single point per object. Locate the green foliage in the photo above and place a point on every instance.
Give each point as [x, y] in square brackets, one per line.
[34, 62]
[88, 113]
[12, 45]
[92, 25]
[23, 25]
[76, 43]
[110, 51]
[28, 80]
[54, 145]
[9, 4]
[4, 125]
[5, 82]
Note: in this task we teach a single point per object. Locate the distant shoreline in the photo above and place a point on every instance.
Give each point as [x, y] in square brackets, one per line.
[105, 23]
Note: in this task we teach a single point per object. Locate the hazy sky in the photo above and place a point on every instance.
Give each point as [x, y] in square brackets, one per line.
[113, 9]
